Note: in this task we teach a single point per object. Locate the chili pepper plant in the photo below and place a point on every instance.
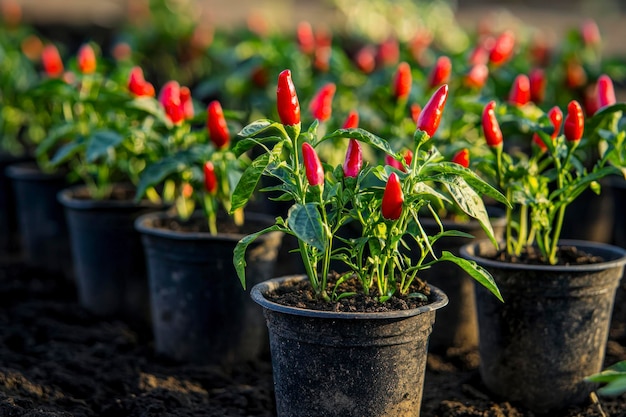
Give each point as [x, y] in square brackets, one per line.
[194, 166]
[542, 184]
[385, 202]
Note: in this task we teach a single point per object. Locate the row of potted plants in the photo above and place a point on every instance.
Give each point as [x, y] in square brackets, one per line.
[359, 219]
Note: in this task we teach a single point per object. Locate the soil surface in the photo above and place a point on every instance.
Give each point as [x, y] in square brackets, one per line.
[56, 359]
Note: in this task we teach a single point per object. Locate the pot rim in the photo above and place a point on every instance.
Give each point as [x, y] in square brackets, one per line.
[30, 171]
[257, 294]
[66, 198]
[142, 224]
[617, 257]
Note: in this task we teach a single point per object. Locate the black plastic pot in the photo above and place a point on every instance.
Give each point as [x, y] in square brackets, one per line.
[551, 331]
[9, 233]
[200, 313]
[41, 219]
[109, 263]
[456, 325]
[347, 364]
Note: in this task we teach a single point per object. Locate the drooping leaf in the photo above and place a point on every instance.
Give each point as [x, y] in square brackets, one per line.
[480, 274]
[248, 182]
[306, 223]
[56, 133]
[67, 151]
[100, 143]
[239, 254]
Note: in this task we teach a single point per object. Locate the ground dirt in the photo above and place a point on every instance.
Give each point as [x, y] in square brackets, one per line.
[56, 359]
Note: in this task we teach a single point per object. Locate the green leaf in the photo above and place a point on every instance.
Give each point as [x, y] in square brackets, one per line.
[100, 143]
[67, 151]
[248, 182]
[156, 173]
[614, 388]
[263, 128]
[613, 372]
[470, 202]
[306, 223]
[474, 270]
[239, 254]
[473, 180]
[362, 136]
[602, 115]
[64, 131]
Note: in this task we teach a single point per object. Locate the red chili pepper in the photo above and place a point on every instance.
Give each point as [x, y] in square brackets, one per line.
[575, 75]
[216, 124]
[556, 117]
[354, 159]
[365, 59]
[352, 121]
[590, 100]
[491, 128]
[393, 162]
[138, 85]
[590, 33]
[321, 105]
[538, 82]
[416, 109]
[540, 50]
[287, 100]
[519, 94]
[51, 61]
[606, 92]
[477, 76]
[323, 50]
[169, 97]
[402, 81]
[86, 59]
[440, 73]
[502, 49]
[480, 53]
[430, 117]
[312, 165]
[186, 103]
[306, 39]
[388, 53]
[210, 179]
[393, 198]
[574, 122]
[259, 76]
[462, 158]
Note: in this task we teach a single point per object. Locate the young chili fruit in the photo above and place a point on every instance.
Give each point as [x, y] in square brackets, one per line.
[306, 38]
[210, 179]
[138, 85]
[574, 122]
[352, 121]
[393, 198]
[321, 106]
[365, 59]
[287, 100]
[476, 77]
[503, 48]
[538, 82]
[519, 94]
[491, 127]
[354, 159]
[606, 91]
[170, 99]
[402, 81]
[416, 109]
[216, 124]
[51, 61]
[312, 165]
[86, 59]
[186, 103]
[440, 73]
[590, 33]
[430, 117]
[556, 117]
[462, 158]
[393, 162]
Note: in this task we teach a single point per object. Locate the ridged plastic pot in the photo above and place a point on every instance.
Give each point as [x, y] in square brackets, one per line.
[456, 325]
[41, 218]
[537, 347]
[108, 257]
[347, 364]
[200, 312]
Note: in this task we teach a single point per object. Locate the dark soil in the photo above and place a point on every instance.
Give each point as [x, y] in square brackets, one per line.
[300, 294]
[58, 360]
[566, 255]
